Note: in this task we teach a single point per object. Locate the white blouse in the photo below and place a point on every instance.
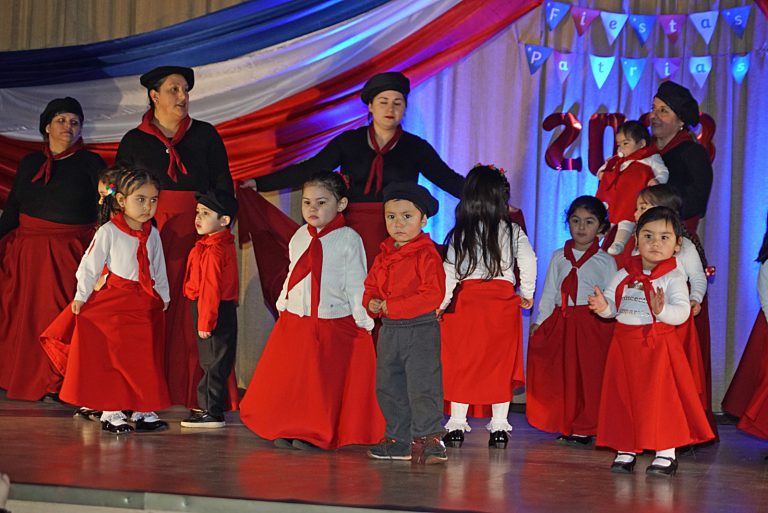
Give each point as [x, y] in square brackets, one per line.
[634, 309]
[597, 271]
[341, 284]
[689, 263]
[117, 249]
[524, 256]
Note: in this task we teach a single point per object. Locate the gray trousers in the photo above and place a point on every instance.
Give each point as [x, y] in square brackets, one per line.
[409, 380]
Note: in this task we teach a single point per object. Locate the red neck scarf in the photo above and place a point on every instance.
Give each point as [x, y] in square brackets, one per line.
[679, 138]
[570, 286]
[311, 261]
[634, 268]
[377, 166]
[613, 169]
[142, 256]
[174, 162]
[45, 169]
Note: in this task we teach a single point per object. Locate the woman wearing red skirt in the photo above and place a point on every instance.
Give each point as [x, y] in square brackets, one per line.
[747, 396]
[568, 345]
[47, 223]
[481, 329]
[315, 383]
[649, 398]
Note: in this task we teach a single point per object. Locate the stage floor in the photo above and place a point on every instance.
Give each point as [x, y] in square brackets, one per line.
[49, 453]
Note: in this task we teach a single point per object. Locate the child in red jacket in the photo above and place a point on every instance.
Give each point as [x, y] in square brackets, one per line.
[405, 287]
[211, 284]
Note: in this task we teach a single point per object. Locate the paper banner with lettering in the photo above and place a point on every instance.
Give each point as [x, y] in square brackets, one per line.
[583, 18]
[700, 67]
[737, 18]
[633, 70]
[613, 23]
[555, 12]
[739, 67]
[705, 23]
[666, 66]
[564, 64]
[643, 25]
[536, 56]
[672, 25]
[601, 68]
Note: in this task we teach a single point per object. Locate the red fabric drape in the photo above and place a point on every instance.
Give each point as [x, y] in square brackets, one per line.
[300, 125]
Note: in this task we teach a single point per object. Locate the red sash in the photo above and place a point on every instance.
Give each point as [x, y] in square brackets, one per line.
[377, 166]
[570, 285]
[634, 268]
[174, 162]
[45, 169]
[142, 256]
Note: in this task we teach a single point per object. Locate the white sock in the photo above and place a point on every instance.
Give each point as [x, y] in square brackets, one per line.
[146, 416]
[666, 453]
[499, 420]
[624, 457]
[458, 420]
[116, 418]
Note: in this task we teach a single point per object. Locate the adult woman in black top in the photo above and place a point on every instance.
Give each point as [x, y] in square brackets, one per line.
[371, 157]
[690, 171]
[187, 156]
[45, 228]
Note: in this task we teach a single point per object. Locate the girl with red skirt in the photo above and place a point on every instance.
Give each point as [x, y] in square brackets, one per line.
[747, 396]
[315, 384]
[649, 396]
[481, 329]
[116, 352]
[569, 344]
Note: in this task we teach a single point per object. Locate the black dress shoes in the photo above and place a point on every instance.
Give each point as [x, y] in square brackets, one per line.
[579, 442]
[624, 467]
[118, 429]
[142, 426]
[662, 470]
[454, 438]
[498, 439]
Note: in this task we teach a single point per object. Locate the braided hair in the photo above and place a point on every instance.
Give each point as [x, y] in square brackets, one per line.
[124, 180]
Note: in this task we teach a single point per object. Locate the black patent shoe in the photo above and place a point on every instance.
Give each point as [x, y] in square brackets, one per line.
[87, 414]
[498, 439]
[627, 467]
[118, 429]
[658, 470]
[579, 442]
[142, 426]
[454, 438]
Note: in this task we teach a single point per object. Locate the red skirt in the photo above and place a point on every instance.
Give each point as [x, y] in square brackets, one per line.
[649, 399]
[116, 357]
[751, 370]
[566, 358]
[367, 219]
[318, 386]
[754, 419]
[705, 344]
[37, 281]
[176, 223]
[482, 343]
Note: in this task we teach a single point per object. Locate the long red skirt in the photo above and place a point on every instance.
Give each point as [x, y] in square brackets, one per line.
[566, 359]
[116, 354]
[37, 281]
[754, 419]
[705, 343]
[318, 386]
[649, 399]
[176, 223]
[751, 370]
[367, 219]
[482, 343]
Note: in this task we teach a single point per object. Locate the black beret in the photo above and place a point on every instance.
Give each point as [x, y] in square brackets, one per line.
[58, 106]
[413, 192]
[681, 101]
[150, 78]
[389, 81]
[220, 201]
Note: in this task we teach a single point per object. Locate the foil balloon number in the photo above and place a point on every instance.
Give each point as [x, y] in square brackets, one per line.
[555, 154]
[597, 125]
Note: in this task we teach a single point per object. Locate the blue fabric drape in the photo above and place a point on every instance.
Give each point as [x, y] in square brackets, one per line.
[216, 37]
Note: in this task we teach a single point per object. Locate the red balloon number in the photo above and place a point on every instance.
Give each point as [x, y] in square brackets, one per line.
[555, 154]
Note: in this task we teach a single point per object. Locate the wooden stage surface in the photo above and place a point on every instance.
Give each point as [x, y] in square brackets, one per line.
[55, 457]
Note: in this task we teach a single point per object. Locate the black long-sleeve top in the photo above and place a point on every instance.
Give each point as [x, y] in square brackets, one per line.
[70, 197]
[351, 151]
[201, 149]
[690, 172]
